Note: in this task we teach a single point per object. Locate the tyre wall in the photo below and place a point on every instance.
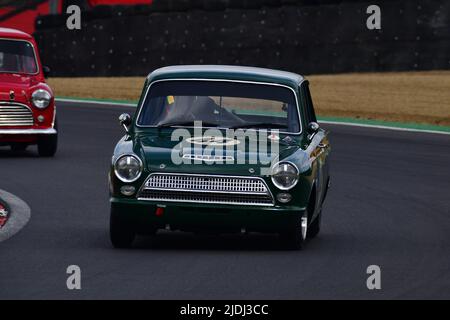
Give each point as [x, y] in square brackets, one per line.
[308, 37]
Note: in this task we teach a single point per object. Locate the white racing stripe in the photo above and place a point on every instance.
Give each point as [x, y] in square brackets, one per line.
[343, 123]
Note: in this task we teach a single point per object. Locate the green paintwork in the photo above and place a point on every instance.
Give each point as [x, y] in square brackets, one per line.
[154, 146]
[226, 73]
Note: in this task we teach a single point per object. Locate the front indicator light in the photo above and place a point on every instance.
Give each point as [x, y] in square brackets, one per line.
[284, 197]
[127, 190]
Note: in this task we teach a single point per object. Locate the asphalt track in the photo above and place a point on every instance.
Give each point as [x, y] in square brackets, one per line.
[389, 206]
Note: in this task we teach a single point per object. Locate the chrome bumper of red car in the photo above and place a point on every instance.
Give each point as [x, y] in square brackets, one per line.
[28, 131]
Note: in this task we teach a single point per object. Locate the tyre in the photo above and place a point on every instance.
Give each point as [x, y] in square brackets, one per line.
[48, 144]
[19, 147]
[121, 233]
[314, 227]
[294, 239]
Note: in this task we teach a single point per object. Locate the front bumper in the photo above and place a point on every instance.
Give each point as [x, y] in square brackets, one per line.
[141, 215]
[27, 131]
[27, 136]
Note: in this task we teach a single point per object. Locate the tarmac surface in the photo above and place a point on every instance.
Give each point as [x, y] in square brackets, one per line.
[389, 206]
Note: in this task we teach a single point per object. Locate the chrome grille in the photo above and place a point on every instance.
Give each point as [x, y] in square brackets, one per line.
[205, 183]
[206, 189]
[15, 114]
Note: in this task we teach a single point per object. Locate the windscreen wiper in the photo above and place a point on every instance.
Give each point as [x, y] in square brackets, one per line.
[259, 125]
[186, 123]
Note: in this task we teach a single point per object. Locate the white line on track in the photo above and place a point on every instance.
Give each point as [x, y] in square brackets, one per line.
[107, 103]
[19, 215]
[374, 126]
[343, 123]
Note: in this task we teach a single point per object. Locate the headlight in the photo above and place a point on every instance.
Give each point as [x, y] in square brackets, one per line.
[128, 168]
[284, 175]
[41, 98]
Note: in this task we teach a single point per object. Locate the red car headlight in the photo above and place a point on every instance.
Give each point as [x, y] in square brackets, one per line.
[41, 98]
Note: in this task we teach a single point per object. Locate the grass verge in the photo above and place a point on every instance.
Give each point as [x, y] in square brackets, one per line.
[406, 97]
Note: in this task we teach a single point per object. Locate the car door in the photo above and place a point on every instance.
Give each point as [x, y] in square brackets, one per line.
[319, 148]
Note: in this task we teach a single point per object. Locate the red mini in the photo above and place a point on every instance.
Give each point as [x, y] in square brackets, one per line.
[27, 104]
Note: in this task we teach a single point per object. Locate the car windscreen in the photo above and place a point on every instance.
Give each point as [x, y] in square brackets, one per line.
[17, 57]
[220, 104]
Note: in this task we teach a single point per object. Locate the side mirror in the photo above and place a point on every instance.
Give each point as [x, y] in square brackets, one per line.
[46, 71]
[313, 127]
[125, 121]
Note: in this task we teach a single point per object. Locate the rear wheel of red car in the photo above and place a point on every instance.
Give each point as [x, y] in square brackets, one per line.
[295, 238]
[120, 231]
[48, 144]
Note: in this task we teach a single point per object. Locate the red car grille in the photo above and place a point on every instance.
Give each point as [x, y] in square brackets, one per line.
[15, 115]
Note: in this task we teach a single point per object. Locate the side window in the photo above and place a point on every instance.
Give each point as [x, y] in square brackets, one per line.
[310, 114]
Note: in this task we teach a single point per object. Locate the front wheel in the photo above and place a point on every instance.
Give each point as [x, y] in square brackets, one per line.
[120, 232]
[295, 238]
[314, 227]
[48, 145]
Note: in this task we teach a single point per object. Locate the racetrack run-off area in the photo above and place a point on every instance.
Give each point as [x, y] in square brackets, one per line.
[388, 206]
[14, 215]
[408, 97]
[4, 212]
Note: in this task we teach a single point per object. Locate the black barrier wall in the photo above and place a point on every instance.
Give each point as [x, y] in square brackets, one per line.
[305, 38]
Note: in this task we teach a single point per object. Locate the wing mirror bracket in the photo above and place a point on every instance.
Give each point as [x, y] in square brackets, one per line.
[313, 128]
[125, 121]
[46, 71]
